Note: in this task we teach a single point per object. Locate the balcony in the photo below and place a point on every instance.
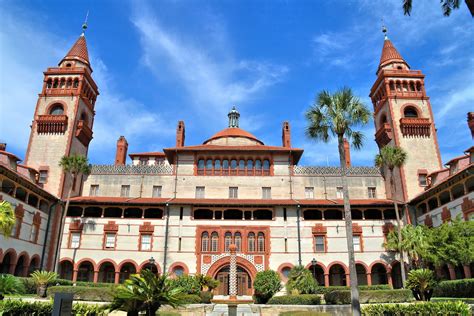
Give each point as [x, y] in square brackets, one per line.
[83, 133]
[61, 91]
[415, 126]
[384, 135]
[51, 124]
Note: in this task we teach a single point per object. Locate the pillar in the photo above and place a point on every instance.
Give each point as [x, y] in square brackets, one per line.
[348, 279]
[467, 271]
[452, 273]
[326, 279]
[389, 279]
[233, 273]
[74, 275]
[117, 277]
[96, 276]
[369, 279]
[12, 268]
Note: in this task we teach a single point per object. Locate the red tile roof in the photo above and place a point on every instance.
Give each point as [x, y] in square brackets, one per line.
[233, 132]
[390, 54]
[148, 154]
[79, 50]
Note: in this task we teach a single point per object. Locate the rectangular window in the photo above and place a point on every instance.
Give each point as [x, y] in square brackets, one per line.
[319, 243]
[339, 193]
[94, 191]
[179, 244]
[356, 241]
[286, 244]
[309, 193]
[125, 191]
[156, 191]
[143, 161]
[145, 242]
[422, 180]
[110, 241]
[34, 232]
[233, 192]
[75, 240]
[266, 193]
[284, 214]
[200, 192]
[43, 176]
[371, 192]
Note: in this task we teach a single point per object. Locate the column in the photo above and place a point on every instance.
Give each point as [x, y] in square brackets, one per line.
[117, 277]
[74, 275]
[389, 279]
[452, 273]
[233, 273]
[348, 279]
[326, 279]
[369, 279]
[96, 276]
[467, 271]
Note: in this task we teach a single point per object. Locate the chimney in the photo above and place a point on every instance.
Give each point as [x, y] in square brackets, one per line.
[3, 146]
[347, 151]
[121, 153]
[470, 122]
[286, 135]
[180, 135]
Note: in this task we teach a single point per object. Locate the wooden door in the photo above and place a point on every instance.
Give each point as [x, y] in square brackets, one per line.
[242, 283]
[223, 288]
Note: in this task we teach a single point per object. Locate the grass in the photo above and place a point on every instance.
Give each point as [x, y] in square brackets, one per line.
[303, 313]
[19, 295]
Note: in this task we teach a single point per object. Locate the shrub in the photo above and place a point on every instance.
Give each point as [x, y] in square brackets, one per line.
[301, 280]
[10, 285]
[23, 308]
[425, 308]
[206, 297]
[83, 293]
[29, 284]
[266, 284]
[191, 299]
[188, 283]
[42, 279]
[421, 282]
[301, 299]
[324, 290]
[337, 297]
[455, 288]
[92, 284]
[303, 313]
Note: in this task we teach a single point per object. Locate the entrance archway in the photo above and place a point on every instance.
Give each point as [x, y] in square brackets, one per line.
[244, 281]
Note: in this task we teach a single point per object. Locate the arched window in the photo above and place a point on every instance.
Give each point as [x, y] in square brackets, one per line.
[201, 164]
[209, 164]
[227, 241]
[410, 111]
[76, 83]
[217, 165]
[62, 83]
[260, 242]
[49, 84]
[233, 164]
[258, 164]
[55, 83]
[214, 242]
[205, 242]
[57, 109]
[251, 242]
[242, 164]
[69, 83]
[383, 119]
[238, 241]
[266, 164]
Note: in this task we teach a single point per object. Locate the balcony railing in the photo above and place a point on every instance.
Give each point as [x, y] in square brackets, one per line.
[61, 91]
[83, 133]
[51, 124]
[415, 126]
[384, 135]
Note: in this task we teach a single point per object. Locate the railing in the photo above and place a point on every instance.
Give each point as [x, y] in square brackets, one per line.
[384, 135]
[335, 171]
[61, 91]
[51, 124]
[415, 126]
[83, 132]
[159, 168]
[397, 71]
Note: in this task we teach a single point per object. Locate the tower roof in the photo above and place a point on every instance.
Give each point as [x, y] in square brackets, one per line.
[390, 54]
[79, 50]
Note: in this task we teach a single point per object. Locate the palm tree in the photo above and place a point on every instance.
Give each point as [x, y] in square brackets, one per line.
[7, 219]
[422, 283]
[42, 279]
[447, 6]
[146, 292]
[74, 166]
[391, 158]
[337, 115]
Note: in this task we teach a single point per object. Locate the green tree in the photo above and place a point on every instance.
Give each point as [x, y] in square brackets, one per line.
[146, 292]
[338, 115]
[415, 242]
[266, 284]
[7, 219]
[301, 280]
[446, 5]
[188, 283]
[391, 158]
[73, 166]
[421, 282]
[42, 279]
[206, 282]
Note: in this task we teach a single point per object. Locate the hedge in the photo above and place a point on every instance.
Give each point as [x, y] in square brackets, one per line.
[22, 308]
[376, 296]
[324, 290]
[455, 288]
[84, 293]
[418, 309]
[191, 299]
[300, 299]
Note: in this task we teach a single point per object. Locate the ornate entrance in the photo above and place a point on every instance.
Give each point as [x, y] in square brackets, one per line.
[244, 283]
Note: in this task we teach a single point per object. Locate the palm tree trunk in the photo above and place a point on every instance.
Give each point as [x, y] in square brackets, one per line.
[61, 228]
[470, 6]
[355, 304]
[399, 229]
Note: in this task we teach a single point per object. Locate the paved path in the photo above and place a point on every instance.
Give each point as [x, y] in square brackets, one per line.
[223, 310]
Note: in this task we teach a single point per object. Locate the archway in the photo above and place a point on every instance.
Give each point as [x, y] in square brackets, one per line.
[126, 270]
[8, 259]
[317, 273]
[65, 270]
[107, 273]
[85, 272]
[396, 275]
[361, 274]
[21, 265]
[34, 265]
[337, 275]
[379, 274]
[244, 281]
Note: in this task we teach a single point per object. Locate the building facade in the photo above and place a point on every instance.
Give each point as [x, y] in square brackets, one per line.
[179, 210]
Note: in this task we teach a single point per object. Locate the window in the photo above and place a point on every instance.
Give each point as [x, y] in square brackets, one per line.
[200, 192]
[201, 164]
[109, 240]
[34, 233]
[75, 240]
[320, 243]
[178, 271]
[260, 242]
[286, 244]
[145, 242]
[125, 191]
[356, 241]
[251, 242]
[285, 271]
[422, 180]
[179, 244]
[214, 242]
[309, 193]
[205, 242]
[266, 193]
[57, 109]
[227, 241]
[43, 176]
[143, 161]
[410, 111]
[233, 192]
[238, 241]
[339, 193]
[94, 191]
[372, 193]
[156, 191]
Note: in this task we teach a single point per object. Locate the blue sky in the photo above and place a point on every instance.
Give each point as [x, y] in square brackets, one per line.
[157, 62]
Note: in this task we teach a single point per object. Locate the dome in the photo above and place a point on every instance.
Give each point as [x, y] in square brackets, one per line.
[236, 134]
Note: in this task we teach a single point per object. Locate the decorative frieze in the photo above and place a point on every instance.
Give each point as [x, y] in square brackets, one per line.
[335, 171]
[158, 168]
[147, 227]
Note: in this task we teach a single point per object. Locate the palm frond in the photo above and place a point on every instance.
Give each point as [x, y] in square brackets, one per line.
[407, 5]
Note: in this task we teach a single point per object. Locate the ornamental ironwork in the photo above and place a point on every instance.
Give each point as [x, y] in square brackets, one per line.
[158, 168]
[336, 171]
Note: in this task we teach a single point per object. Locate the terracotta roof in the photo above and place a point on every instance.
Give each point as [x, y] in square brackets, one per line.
[389, 54]
[148, 154]
[456, 159]
[79, 50]
[2, 152]
[120, 200]
[233, 132]
[469, 150]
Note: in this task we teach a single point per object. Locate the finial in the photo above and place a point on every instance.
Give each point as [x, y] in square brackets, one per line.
[384, 30]
[233, 117]
[84, 25]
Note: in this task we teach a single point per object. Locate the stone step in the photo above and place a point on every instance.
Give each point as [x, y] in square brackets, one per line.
[223, 310]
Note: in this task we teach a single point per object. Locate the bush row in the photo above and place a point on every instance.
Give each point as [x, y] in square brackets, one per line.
[324, 290]
[301, 299]
[30, 287]
[22, 308]
[376, 296]
[455, 288]
[191, 299]
[84, 293]
[418, 309]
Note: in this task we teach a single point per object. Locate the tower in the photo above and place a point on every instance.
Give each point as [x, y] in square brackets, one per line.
[403, 117]
[64, 117]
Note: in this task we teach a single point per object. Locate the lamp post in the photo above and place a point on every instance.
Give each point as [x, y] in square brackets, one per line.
[313, 264]
[152, 261]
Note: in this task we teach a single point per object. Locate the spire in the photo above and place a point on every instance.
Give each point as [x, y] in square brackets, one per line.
[390, 54]
[233, 117]
[79, 51]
